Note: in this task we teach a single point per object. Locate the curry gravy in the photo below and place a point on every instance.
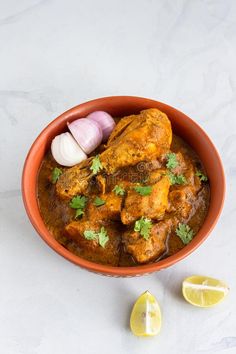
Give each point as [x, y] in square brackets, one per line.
[57, 213]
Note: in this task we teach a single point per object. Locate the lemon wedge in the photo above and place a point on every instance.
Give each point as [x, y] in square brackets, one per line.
[145, 319]
[204, 291]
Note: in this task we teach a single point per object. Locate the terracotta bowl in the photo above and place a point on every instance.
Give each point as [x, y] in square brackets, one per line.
[121, 106]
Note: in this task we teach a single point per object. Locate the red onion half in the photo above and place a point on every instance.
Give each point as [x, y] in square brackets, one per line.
[105, 121]
[87, 133]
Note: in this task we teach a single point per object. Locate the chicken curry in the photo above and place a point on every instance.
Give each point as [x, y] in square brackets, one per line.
[139, 198]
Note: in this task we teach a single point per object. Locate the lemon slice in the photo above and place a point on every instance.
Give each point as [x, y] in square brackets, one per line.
[145, 319]
[204, 291]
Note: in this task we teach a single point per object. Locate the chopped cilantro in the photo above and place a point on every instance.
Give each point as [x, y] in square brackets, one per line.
[143, 190]
[96, 165]
[78, 203]
[79, 212]
[171, 161]
[56, 174]
[202, 177]
[90, 235]
[185, 233]
[176, 179]
[98, 202]
[143, 226]
[119, 190]
[101, 236]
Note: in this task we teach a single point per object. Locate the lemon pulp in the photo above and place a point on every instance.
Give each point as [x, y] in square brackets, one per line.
[145, 319]
[204, 291]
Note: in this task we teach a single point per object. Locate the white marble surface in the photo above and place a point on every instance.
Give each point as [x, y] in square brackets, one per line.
[56, 54]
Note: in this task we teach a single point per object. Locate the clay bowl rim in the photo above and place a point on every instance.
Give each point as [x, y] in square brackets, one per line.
[36, 219]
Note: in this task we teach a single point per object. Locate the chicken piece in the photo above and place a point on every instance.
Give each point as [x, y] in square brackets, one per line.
[90, 249]
[146, 137]
[144, 251]
[181, 198]
[192, 179]
[156, 175]
[74, 180]
[109, 211]
[185, 167]
[120, 127]
[179, 202]
[152, 206]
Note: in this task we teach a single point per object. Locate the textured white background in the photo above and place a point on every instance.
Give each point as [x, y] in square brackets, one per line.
[57, 54]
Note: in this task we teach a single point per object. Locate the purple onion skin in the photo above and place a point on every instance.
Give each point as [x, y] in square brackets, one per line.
[105, 121]
[87, 133]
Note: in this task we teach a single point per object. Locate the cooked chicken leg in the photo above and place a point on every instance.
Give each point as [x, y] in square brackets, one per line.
[145, 138]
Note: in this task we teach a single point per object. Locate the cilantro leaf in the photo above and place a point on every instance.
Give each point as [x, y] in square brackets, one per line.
[79, 212]
[143, 226]
[90, 235]
[56, 174]
[180, 179]
[185, 233]
[78, 202]
[171, 161]
[176, 179]
[96, 165]
[98, 202]
[143, 190]
[103, 237]
[202, 177]
[171, 177]
[118, 190]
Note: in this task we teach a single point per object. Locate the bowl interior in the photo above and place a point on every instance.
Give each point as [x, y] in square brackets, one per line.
[121, 106]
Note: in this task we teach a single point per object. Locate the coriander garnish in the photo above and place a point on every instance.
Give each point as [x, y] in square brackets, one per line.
[96, 165]
[56, 174]
[143, 190]
[143, 226]
[171, 161]
[90, 235]
[202, 177]
[79, 212]
[98, 202]
[176, 179]
[101, 236]
[118, 190]
[185, 233]
[78, 203]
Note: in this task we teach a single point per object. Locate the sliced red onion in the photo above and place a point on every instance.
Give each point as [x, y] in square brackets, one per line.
[87, 133]
[105, 121]
[66, 151]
